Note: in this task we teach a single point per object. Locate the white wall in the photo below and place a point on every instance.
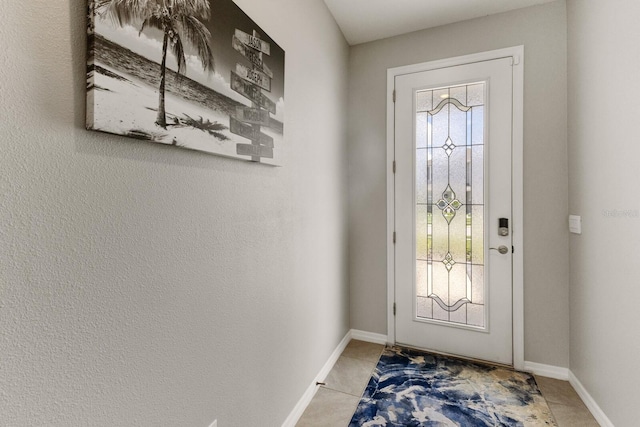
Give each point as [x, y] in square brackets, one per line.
[604, 90]
[152, 286]
[542, 30]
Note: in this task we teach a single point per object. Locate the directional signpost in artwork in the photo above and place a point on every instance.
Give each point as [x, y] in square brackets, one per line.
[249, 81]
[254, 116]
[250, 132]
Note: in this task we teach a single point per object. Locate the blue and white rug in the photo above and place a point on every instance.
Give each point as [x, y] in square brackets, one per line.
[410, 388]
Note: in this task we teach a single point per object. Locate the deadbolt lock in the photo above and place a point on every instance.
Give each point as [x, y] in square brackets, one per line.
[503, 227]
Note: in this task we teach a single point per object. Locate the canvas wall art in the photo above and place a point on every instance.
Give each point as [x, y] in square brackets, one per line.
[198, 74]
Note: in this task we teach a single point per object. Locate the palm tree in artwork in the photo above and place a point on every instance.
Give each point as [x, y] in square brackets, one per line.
[180, 21]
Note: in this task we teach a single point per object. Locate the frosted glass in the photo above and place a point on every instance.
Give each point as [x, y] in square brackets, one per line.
[469, 127]
[458, 237]
[439, 313]
[477, 173]
[459, 93]
[457, 284]
[477, 235]
[440, 236]
[440, 285]
[458, 173]
[468, 232]
[439, 95]
[477, 284]
[440, 128]
[440, 173]
[475, 315]
[421, 175]
[468, 174]
[429, 232]
[449, 212]
[421, 129]
[421, 232]
[475, 95]
[425, 309]
[477, 125]
[423, 101]
[422, 270]
[430, 177]
[458, 130]
[459, 316]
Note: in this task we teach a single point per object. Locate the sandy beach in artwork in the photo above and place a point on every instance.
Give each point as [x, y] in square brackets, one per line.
[124, 105]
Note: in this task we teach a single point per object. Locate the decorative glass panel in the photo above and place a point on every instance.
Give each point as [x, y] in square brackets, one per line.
[449, 205]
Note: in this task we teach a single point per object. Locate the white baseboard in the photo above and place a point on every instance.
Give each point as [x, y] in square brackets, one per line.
[548, 371]
[308, 395]
[566, 375]
[306, 398]
[597, 413]
[368, 337]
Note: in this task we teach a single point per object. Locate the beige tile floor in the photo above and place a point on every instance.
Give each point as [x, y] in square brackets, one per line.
[336, 401]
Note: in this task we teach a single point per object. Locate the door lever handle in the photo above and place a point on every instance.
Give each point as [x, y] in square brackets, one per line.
[502, 249]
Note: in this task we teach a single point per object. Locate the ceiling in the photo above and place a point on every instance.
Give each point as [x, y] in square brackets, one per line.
[367, 20]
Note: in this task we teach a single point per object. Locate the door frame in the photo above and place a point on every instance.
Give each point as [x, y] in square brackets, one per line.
[517, 184]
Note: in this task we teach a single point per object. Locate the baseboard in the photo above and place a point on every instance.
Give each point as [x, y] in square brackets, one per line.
[368, 337]
[595, 410]
[306, 398]
[566, 375]
[308, 395]
[548, 371]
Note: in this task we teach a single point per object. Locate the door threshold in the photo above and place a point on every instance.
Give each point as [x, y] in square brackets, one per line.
[456, 356]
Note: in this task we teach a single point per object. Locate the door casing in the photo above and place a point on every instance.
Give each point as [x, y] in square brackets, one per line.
[517, 53]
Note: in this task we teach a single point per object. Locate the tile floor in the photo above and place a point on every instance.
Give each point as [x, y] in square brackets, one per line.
[335, 402]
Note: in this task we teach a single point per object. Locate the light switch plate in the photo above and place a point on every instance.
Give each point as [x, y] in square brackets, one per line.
[575, 224]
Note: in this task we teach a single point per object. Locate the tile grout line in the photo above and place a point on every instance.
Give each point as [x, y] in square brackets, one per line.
[375, 364]
[573, 404]
[370, 376]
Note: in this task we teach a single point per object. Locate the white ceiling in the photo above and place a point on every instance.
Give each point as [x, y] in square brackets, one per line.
[367, 20]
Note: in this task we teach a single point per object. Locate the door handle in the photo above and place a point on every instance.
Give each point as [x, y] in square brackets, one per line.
[502, 249]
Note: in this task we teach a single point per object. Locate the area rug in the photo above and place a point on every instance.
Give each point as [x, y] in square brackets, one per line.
[410, 388]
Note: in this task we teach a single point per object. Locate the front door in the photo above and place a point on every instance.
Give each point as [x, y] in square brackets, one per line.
[453, 252]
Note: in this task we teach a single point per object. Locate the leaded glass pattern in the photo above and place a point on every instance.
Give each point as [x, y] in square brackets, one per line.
[450, 204]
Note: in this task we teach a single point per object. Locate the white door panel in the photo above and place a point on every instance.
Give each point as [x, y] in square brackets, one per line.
[453, 130]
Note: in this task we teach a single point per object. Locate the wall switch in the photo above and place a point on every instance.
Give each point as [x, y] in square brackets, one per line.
[575, 224]
[214, 423]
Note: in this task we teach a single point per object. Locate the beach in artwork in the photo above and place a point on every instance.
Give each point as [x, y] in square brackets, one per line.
[123, 96]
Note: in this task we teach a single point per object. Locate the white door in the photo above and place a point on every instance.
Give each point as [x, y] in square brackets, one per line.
[453, 130]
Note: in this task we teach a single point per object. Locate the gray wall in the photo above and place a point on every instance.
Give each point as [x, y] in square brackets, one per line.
[604, 89]
[151, 286]
[542, 30]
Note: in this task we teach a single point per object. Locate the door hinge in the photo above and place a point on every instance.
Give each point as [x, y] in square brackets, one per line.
[394, 237]
[394, 166]
[513, 249]
[394, 308]
[394, 95]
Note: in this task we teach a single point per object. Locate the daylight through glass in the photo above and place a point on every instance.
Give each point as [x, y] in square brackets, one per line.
[450, 204]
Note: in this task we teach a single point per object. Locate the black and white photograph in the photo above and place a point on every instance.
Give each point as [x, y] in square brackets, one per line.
[197, 74]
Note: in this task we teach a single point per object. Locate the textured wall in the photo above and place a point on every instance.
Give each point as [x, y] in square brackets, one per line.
[603, 163]
[542, 30]
[151, 286]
